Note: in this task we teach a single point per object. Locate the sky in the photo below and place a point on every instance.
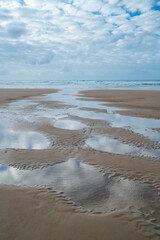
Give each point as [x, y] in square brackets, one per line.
[79, 39]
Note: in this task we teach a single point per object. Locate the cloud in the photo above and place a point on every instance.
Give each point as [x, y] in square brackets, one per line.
[136, 5]
[16, 30]
[84, 37]
[4, 17]
[9, 4]
[88, 5]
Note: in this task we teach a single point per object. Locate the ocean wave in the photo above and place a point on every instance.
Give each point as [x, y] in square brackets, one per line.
[88, 83]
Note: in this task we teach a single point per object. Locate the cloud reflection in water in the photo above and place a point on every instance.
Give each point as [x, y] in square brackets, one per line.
[84, 184]
[25, 139]
[69, 124]
[108, 144]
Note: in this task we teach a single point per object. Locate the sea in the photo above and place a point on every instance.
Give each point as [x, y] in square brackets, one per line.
[83, 84]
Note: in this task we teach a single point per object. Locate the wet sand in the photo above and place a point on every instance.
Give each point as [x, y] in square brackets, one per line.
[142, 103]
[28, 213]
[36, 214]
[9, 95]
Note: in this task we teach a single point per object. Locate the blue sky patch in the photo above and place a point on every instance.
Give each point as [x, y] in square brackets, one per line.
[156, 8]
[133, 14]
[96, 13]
[22, 2]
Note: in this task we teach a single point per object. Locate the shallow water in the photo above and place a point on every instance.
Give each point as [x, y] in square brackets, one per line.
[142, 126]
[68, 124]
[10, 137]
[139, 125]
[20, 104]
[85, 186]
[108, 144]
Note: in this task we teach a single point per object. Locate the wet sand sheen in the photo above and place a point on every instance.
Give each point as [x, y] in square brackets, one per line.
[36, 214]
[70, 143]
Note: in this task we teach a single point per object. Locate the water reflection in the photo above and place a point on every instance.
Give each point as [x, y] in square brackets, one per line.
[70, 96]
[20, 104]
[84, 184]
[69, 124]
[108, 144]
[25, 139]
[139, 125]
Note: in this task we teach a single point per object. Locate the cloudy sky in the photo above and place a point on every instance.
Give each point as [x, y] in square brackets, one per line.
[79, 39]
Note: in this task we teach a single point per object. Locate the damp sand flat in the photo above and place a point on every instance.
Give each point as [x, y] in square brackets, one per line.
[59, 228]
[33, 214]
[126, 98]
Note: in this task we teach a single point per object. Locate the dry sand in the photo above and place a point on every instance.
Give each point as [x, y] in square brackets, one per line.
[27, 213]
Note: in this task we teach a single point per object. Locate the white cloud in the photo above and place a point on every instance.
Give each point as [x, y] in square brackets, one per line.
[88, 5]
[16, 29]
[136, 5]
[108, 9]
[78, 35]
[9, 4]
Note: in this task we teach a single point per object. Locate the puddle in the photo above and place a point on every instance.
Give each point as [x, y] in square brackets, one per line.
[25, 139]
[20, 104]
[69, 124]
[111, 145]
[84, 185]
[138, 125]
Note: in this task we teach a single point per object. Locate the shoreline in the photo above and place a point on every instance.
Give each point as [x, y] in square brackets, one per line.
[59, 219]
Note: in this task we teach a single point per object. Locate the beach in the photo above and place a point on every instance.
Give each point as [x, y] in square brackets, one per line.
[30, 212]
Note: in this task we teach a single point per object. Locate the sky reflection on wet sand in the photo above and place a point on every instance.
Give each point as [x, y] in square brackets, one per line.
[111, 145]
[84, 185]
[10, 137]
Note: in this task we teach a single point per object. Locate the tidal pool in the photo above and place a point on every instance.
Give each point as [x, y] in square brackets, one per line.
[85, 186]
[69, 124]
[11, 137]
[107, 144]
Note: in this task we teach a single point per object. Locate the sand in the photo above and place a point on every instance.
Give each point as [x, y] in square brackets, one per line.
[143, 103]
[36, 214]
[9, 95]
[28, 213]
